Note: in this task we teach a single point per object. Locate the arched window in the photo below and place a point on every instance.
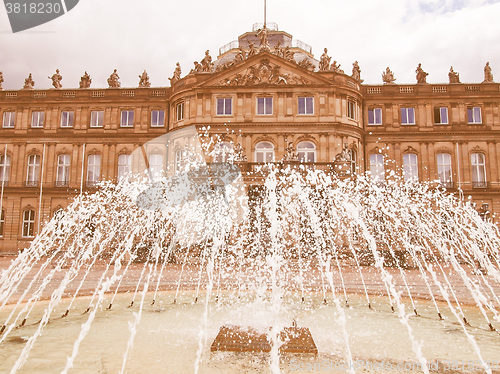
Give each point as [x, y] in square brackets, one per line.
[93, 170]
[410, 167]
[4, 169]
[444, 169]
[33, 172]
[264, 152]
[156, 167]
[223, 152]
[124, 166]
[377, 167]
[306, 151]
[63, 165]
[478, 163]
[28, 223]
[181, 159]
[353, 158]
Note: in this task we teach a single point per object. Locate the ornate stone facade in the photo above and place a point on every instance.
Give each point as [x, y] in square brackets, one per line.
[276, 108]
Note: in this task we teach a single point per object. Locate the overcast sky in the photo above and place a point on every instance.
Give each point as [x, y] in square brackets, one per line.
[101, 35]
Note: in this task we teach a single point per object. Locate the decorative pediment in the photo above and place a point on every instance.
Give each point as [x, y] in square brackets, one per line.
[265, 69]
[410, 149]
[477, 149]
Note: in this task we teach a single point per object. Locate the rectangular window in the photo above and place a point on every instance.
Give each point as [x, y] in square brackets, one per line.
[375, 116]
[96, 118]
[407, 116]
[179, 112]
[444, 169]
[93, 169]
[377, 167]
[410, 167]
[37, 119]
[441, 115]
[157, 118]
[4, 169]
[2, 222]
[33, 172]
[306, 105]
[351, 109]
[265, 105]
[127, 118]
[67, 118]
[9, 120]
[474, 115]
[28, 223]
[124, 165]
[63, 164]
[156, 168]
[478, 164]
[224, 106]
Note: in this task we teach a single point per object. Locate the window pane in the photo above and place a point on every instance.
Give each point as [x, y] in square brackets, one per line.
[260, 105]
[269, 105]
[477, 114]
[228, 105]
[404, 119]
[371, 117]
[378, 116]
[220, 107]
[411, 115]
[309, 105]
[302, 105]
[444, 115]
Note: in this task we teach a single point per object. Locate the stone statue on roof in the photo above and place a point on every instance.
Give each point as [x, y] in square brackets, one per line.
[488, 76]
[177, 74]
[324, 62]
[263, 35]
[56, 79]
[207, 64]
[388, 76]
[453, 76]
[421, 74]
[85, 81]
[113, 80]
[356, 72]
[335, 67]
[1, 80]
[144, 80]
[252, 50]
[29, 84]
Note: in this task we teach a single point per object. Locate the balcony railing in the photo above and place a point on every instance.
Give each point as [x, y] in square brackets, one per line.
[61, 183]
[479, 184]
[253, 167]
[31, 184]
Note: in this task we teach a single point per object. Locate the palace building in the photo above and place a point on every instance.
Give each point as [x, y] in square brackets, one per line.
[266, 95]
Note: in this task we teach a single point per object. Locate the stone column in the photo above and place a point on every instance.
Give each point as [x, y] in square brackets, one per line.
[424, 162]
[323, 149]
[492, 167]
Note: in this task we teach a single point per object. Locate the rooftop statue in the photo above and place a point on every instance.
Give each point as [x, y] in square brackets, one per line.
[263, 34]
[113, 80]
[1, 80]
[197, 67]
[207, 64]
[324, 62]
[356, 72]
[336, 67]
[287, 54]
[29, 84]
[177, 74]
[252, 51]
[240, 56]
[277, 49]
[85, 81]
[488, 76]
[388, 76]
[56, 79]
[454, 76]
[144, 80]
[421, 74]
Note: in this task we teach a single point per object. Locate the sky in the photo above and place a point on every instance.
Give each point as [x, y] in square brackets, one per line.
[98, 36]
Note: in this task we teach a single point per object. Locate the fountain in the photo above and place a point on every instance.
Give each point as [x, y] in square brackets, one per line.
[161, 271]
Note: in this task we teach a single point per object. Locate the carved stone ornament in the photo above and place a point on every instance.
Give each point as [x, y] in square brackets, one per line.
[410, 149]
[290, 153]
[113, 80]
[239, 153]
[388, 76]
[29, 84]
[324, 61]
[356, 72]
[144, 80]
[85, 81]
[306, 64]
[1, 80]
[56, 79]
[477, 149]
[177, 74]
[207, 64]
[265, 73]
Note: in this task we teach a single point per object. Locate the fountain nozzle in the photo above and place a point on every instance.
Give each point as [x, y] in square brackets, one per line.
[131, 304]
[392, 308]
[415, 311]
[3, 329]
[491, 327]
[440, 316]
[65, 313]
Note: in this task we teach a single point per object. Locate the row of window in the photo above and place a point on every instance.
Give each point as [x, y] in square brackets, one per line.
[444, 168]
[96, 118]
[407, 115]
